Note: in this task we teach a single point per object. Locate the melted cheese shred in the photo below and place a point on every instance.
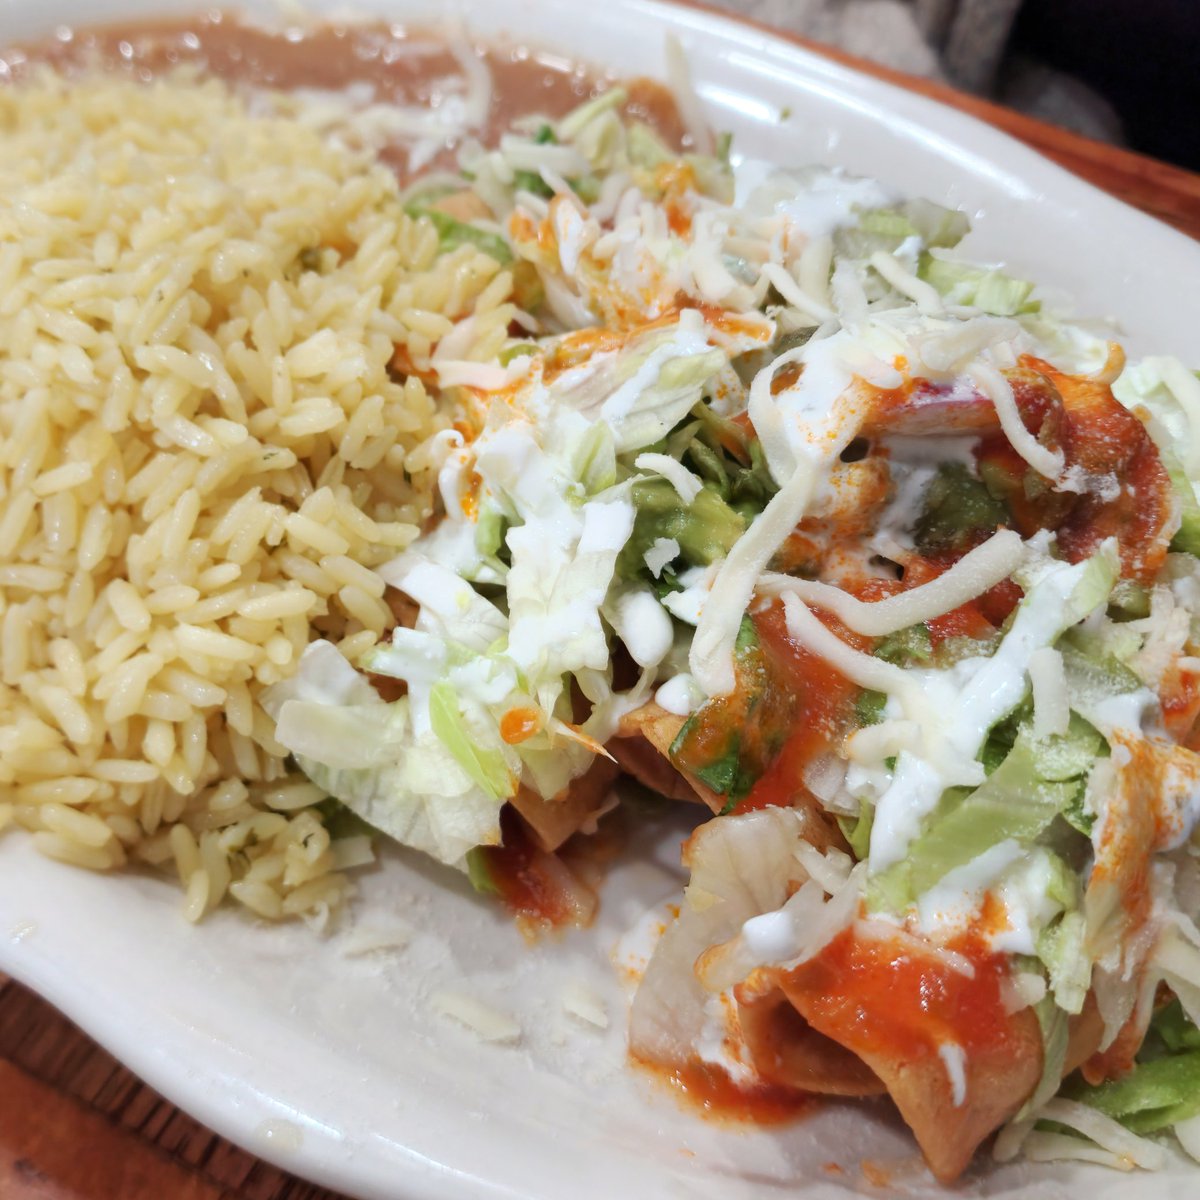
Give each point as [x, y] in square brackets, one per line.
[1051, 700]
[767, 417]
[687, 485]
[924, 295]
[973, 574]
[785, 284]
[799, 442]
[679, 76]
[1106, 1132]
[954, 1059]
[866, 670]
[815, 266]
[711, 656]
[999, 391]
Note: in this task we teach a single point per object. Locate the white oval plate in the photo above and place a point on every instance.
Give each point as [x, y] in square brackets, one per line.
[339, 1067]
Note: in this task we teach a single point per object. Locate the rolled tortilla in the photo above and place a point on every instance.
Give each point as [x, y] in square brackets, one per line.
[786, 1050]
[553, 821]
[956, 1064]
[643, 747]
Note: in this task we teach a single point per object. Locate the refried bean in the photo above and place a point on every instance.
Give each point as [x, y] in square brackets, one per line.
[410, 67]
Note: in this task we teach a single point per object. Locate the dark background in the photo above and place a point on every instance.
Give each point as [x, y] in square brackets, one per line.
[1143, 56]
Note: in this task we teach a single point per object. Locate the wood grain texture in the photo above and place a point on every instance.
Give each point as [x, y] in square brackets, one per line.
[54, 1148]
[76, 1125]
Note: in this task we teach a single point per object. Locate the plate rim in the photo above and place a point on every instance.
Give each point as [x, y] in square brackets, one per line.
[437, 1181]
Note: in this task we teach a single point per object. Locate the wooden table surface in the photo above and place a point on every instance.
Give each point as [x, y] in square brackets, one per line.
[75, 1125]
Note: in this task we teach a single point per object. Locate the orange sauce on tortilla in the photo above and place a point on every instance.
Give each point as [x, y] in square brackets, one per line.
[894, 997]
[1103, 443]
[826, 701]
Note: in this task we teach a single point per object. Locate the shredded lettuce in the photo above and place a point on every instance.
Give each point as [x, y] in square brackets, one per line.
[857, 831]
[1062, 948]
[518, 350]
[713, 176]
[1030, 783]
[486, 767]
[573, 124]
[669, 398]
[594, 460]
[732, 460]
[1157, 1093]
[869, 708]
[400, 781]
[887, 228]
[1093, 587]
[1187, 536]
[648, 387]
[1014, 802]
[479, 872]
[1169, 396]
[453, 233]
[531, 181]
[645, 147]
[740, 867]
[1093, 676]
[1055, 1039]
[432, 770]
[936, 224]
[1068, 756]
[986, 288]
[887, 223]
[1172, 1028]
[489, 531]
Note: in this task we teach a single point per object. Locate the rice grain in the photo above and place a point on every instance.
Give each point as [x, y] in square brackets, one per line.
[205, 454]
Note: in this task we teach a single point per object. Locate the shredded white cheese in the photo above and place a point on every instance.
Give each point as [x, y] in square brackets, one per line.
[711, 656]
[365, 938]
[950, 348]
[849, 298]
[924, 295]
[679, 77]
[793, 294]
[1051, 703]
[1106, 1132]
[973, 574]
[864, 669]
[488, 1024]
[954, 1059]
[457, 373]
[686, 483]
[767, 416]
[642, 624]
[662, 552]
[679, 695]
[992, 384]
[585, 1004]
[816, 260]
